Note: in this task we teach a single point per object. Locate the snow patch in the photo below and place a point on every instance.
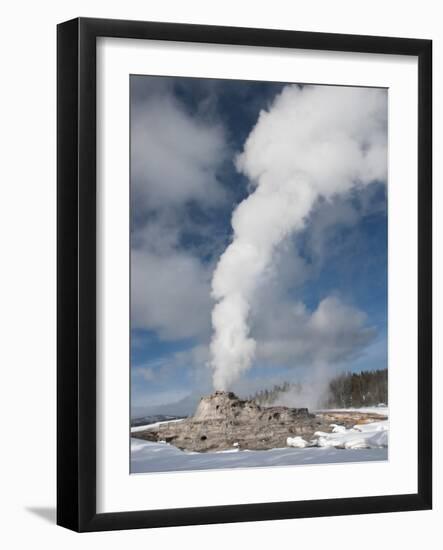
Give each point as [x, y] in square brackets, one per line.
[337, 429]
[297, 442]
[135, 429]
[362, 436]
[381, 410]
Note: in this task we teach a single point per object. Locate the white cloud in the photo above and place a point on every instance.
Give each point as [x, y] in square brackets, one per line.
[194, 357]
[174, 156]
[174, 160]
[147, 373]
[292, 336]
[170, 294]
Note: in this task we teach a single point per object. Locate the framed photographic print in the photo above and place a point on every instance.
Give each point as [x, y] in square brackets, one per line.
[244, 274]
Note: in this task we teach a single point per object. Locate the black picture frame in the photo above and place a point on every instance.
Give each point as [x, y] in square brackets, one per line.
[76, 280]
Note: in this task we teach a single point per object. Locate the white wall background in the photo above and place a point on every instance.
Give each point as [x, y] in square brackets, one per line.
[27, 275]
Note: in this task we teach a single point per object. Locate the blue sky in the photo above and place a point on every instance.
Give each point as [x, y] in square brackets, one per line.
[185, 138]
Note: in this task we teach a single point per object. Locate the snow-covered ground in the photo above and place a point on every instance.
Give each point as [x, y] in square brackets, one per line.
[364, 442]
[160, 457]
[154, 425]
[379, 409]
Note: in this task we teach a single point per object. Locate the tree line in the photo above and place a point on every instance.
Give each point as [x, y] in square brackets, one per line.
[362, 389]
[348, 389]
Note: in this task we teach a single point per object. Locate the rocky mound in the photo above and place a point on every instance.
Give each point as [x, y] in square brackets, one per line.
[223, 421]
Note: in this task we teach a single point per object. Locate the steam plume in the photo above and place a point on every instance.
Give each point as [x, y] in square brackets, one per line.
[314, 142]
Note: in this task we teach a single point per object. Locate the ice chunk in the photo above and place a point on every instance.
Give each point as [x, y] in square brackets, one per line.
[336, 428]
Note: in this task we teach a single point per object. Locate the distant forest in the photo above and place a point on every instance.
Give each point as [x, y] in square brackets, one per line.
[349, 389]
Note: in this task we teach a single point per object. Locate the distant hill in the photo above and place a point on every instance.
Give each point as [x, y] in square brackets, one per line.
[179, 409]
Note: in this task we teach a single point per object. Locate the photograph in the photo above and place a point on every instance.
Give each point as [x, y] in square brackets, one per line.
[221, 310]
[258, 274]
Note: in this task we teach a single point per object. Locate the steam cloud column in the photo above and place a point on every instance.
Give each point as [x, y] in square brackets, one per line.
[314, 142]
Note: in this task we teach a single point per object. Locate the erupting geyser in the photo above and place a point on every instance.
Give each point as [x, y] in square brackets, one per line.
[314, 142]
